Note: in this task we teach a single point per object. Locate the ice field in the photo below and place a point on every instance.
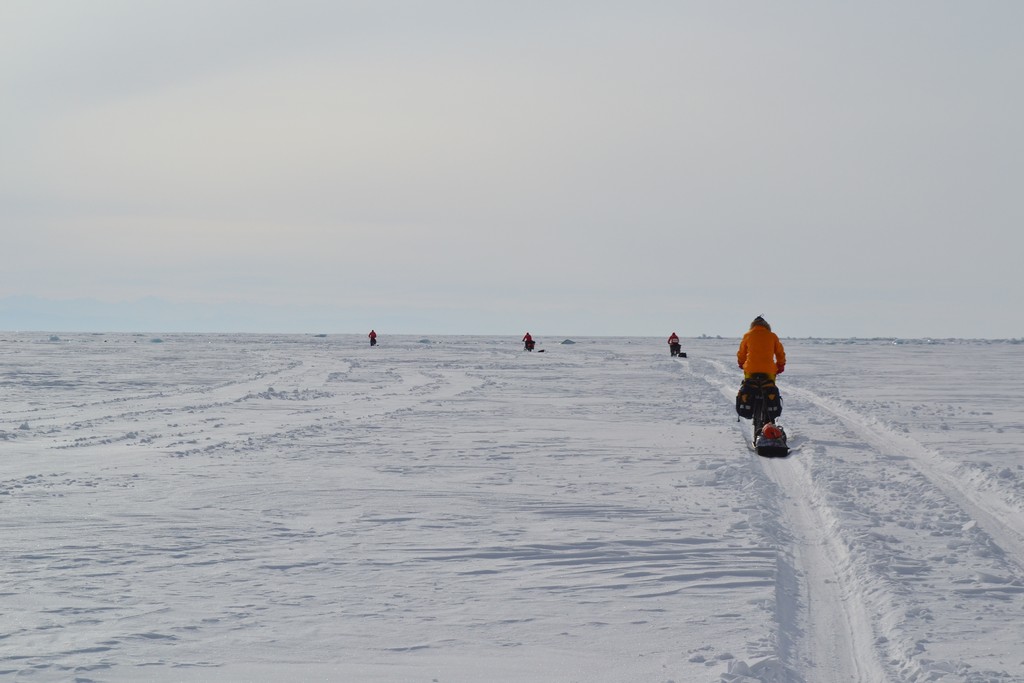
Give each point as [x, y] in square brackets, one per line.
[453, 509]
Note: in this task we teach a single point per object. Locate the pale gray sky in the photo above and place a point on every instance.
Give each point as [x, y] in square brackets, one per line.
[590, 168]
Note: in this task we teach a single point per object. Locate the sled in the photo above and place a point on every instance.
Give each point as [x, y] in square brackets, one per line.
[772, 451]
[771, 448]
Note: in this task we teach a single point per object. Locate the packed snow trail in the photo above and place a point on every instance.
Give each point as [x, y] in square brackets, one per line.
[864, 506]
[1000, 518]
[833, 640]
[824, 630]
[979, 520]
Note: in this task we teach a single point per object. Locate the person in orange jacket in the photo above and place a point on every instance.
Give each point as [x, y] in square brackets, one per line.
[673, 344]
[761, 351]
[527, 342]
[373, 338]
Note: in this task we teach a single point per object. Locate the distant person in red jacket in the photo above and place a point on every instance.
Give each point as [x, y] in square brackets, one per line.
[527, 342]
[673, 344]
[373, 338]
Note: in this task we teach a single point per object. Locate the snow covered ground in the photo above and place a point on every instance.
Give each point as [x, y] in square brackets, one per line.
[228, 508]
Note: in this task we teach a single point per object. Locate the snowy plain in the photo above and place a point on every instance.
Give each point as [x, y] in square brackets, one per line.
[454, 509]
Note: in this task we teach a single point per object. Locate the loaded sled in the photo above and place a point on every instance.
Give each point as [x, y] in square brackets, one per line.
[759, 400]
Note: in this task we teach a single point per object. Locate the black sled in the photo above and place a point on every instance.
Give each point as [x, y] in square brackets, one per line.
[772, 451]
[771, 448]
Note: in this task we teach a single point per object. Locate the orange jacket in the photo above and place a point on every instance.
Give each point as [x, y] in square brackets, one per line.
[761, 351]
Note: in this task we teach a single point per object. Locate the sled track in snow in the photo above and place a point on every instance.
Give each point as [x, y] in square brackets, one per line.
[828, 639]
[992, 513]
[822, 639]
[961, 510]
[857, 587]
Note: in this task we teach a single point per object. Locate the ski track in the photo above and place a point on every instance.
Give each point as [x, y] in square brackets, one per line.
[978, 520]
[832, 644]
[842, 553]
[1000, 518]
[822, 640]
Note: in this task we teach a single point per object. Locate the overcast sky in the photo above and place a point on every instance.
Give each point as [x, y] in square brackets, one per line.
[442, 166]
